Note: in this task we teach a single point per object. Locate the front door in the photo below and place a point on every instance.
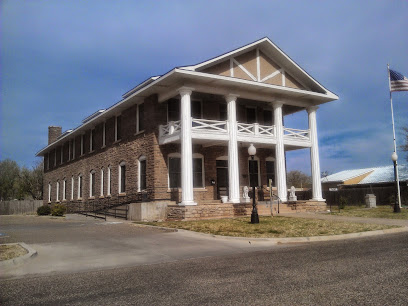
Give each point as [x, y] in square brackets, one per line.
[222, 178]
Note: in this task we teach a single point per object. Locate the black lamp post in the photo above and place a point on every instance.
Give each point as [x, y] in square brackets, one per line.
[254, 215]
[394, 158]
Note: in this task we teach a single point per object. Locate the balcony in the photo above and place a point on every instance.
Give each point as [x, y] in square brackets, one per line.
[246, 132]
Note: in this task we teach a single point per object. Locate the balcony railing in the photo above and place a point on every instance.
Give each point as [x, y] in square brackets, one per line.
[296, 134]
[207, 126]
[254, 129]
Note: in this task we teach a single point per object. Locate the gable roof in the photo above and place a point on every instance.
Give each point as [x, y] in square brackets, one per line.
[272, 51]
[378, 175]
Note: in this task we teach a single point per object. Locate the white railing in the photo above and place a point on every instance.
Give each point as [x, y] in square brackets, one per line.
[256, 129]
[206, 125]
[296, 134]
[170, 128]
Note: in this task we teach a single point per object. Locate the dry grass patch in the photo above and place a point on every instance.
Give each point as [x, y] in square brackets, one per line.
[9, 251]
[270, 227]
[386, 212]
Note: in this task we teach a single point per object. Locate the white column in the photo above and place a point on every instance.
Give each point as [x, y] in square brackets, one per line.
[280, 153]
[314, 155]
[187, 194]
[233, 168]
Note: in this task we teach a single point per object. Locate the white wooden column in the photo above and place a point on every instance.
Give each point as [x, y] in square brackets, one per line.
[314, 155]
[233, 168]
[187, 194]
[280, 153]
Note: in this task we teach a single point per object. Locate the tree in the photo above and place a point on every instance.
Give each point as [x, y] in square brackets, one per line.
[9, 180]
[404, 147]
[298, 179]
[32, 181]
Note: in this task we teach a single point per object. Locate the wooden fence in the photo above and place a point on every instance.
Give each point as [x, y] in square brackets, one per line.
[356, 196]
[19, 207]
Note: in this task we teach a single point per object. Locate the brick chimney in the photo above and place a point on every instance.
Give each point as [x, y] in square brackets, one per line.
[53, 133]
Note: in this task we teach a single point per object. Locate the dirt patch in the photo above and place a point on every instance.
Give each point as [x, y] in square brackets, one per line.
[10, 251]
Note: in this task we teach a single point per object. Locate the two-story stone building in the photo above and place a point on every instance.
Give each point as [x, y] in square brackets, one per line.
[182, 138]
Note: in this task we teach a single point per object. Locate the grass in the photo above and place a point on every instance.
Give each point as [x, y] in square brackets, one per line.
[11, 251]
[270, 227]
[378, 212]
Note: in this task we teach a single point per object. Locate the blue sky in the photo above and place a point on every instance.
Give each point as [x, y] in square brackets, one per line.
[63, 60]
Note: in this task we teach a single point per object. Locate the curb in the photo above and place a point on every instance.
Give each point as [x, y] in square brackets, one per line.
[18, 260]
[291, 239]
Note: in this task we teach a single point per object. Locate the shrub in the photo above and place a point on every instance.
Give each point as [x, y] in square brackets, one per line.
[44, 210]
[58, 210]
[342, 202]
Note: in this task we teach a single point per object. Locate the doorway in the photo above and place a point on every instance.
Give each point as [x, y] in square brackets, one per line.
[222, 178]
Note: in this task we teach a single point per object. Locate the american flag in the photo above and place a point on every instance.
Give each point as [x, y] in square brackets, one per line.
[398, 82]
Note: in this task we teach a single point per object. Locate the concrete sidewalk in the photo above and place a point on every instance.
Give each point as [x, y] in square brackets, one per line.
[327, 216]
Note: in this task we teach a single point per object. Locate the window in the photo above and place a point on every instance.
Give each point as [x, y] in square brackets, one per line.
[102, 178]
[92, 183]
[142, 173]
[196, 110]
[270, 170]
[104, 135]
[92, 141]
[118, 127]
[253, 166]
[72, 187]
[73, 148]
[140, 118]
[175, 170]
[62, 154]
[109, 181]
[49, 192]
[82, 144]
[268, 120]
[173, 110]
[55, 157]
[69, 149]
[251, 115]
[48, 161]
[58, 185]
[64, 189]
[223, 112]
[80, 186]
[122, 177]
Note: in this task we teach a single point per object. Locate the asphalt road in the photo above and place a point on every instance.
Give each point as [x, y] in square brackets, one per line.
[365, 271]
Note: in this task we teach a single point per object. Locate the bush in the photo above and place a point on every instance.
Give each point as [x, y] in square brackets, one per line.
[342, 202]
[44, 210]
[58, 210]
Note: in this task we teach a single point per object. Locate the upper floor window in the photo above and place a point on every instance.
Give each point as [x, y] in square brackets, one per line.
[62, 154]
[268, 120]
[104, 135]
[118, 127]
[102, 181]
[142, 173]
[55, 157]
[196, 109]
[82, 144]
[48, 161]
[72, 187]
[73, 148]
[92, 182]
[223, 111]
[251, 114]
[122, 177]
[92, 140]
[140, 118]
[173, 109]
[69, 149]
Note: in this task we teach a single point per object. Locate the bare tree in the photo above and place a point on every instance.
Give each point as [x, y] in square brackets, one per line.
[298, 179]
[32, 181]
[404, 147]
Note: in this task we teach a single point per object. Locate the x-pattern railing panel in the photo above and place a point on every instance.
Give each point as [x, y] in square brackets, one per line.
[246, 128]
[209, 125]
[296, 134]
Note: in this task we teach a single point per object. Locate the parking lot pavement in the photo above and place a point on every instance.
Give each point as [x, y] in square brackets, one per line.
[77, 243]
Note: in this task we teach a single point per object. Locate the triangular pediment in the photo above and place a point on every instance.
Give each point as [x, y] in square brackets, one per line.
[263, 62]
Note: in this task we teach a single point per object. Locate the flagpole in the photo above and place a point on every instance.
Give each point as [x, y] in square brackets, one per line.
[395, 143]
